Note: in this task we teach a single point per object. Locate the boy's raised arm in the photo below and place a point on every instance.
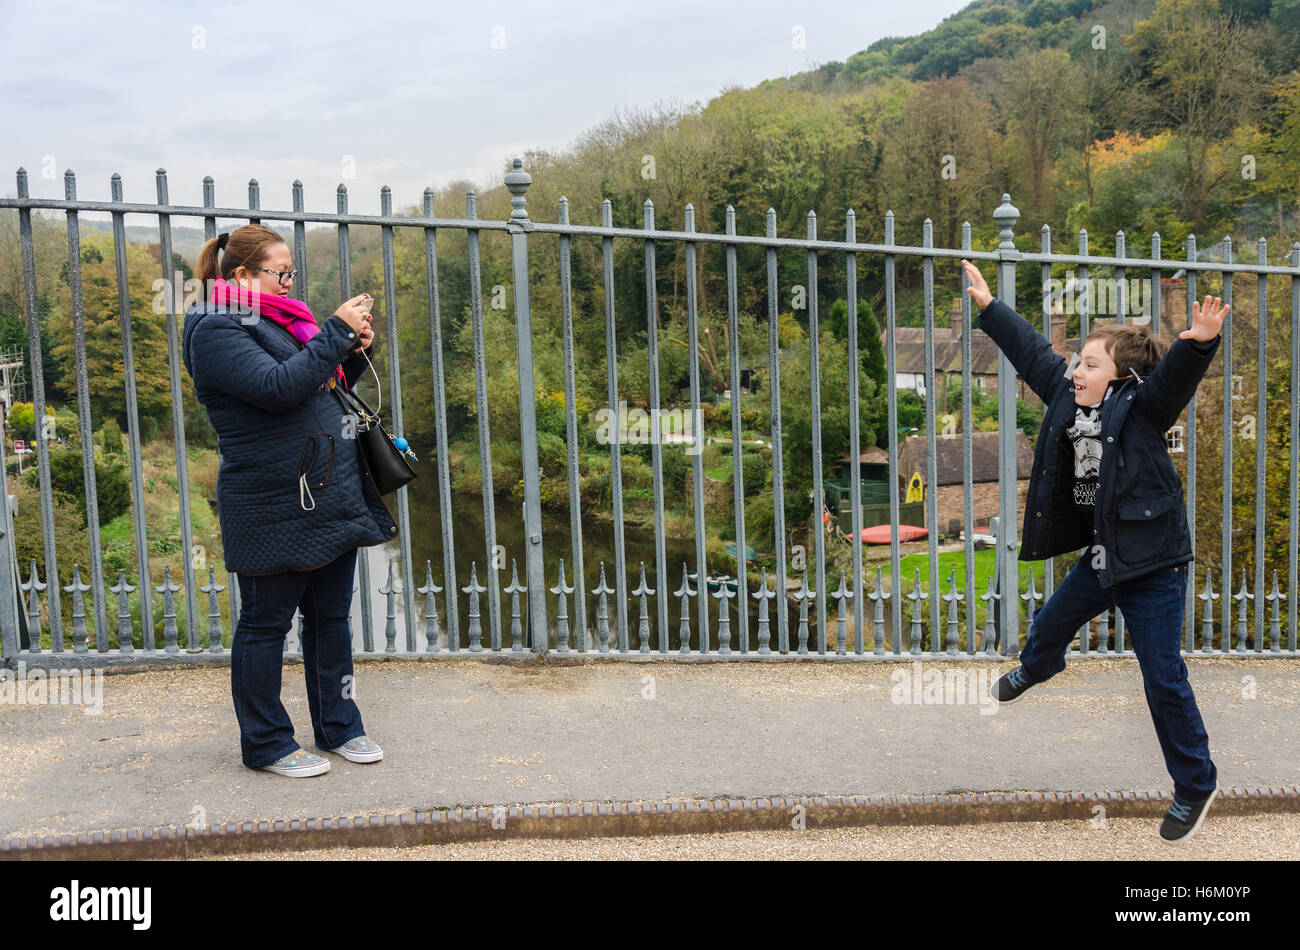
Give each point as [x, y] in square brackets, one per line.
[1173, 382]
[1027, 349]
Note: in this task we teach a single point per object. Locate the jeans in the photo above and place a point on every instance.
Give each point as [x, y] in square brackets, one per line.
[1153, 609]
[324, 595]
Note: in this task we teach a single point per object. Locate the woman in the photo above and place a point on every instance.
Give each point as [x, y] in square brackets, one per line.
[293, 497]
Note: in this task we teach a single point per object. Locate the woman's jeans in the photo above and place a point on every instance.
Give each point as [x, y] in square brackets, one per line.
[325, 596]
[1153, 610]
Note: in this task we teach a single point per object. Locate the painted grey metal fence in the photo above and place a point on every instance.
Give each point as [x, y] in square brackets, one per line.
[883, 628]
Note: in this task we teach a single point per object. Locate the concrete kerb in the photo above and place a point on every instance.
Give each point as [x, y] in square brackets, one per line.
[617, 819]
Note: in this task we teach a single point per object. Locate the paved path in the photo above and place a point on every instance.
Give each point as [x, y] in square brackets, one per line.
[461, 732]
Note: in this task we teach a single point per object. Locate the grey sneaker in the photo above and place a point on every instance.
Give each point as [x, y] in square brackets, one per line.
[299, 764]
[359, 749]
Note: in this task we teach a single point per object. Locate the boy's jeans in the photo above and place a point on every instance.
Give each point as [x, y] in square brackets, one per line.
[324, 595]
[1153, 610]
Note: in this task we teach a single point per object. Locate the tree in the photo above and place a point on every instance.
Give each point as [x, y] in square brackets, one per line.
[796, 417]
[1043, 92]
[939, 162]
[22, 419]
[67, 478]
[871, 351]
[1200, 78]
[104, 356]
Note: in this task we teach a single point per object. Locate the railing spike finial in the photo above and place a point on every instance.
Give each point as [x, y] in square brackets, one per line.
[518, 180]
[473, 588]
[429, 589]
[763, 595]
[1208, 596]
[516, 625]
[842, 596]
[643, 631]
[1006, 215]
[878, 598]
[1275, 622]
[562, 590]
[603, 591]
[685, 593]
[953, 597]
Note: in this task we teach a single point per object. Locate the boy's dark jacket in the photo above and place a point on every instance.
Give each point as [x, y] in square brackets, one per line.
[1141, 521]
[262, 391]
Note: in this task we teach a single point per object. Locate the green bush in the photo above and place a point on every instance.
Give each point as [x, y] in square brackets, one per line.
[755, 471]
[552, 454]
[112, 484]
[677, 466]
[110, 438]
[760, 520]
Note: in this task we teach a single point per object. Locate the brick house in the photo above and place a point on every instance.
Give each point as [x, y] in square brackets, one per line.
[909, 357]
[950, 494]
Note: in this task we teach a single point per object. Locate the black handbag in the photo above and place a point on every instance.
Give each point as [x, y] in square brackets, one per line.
[387, 466]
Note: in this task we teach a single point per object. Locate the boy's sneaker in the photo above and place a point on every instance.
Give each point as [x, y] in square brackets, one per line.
[1010, 687]
[359, 749]
[1182, 820]
[299, 764]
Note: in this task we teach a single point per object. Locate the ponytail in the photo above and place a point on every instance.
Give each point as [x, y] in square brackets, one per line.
[246, 246]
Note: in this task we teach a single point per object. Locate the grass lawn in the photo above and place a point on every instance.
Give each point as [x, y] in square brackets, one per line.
[955, 562]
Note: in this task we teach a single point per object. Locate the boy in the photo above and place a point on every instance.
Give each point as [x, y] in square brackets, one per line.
[1102, 481]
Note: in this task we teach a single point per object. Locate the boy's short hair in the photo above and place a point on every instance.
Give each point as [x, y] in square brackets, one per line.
[1131, 346]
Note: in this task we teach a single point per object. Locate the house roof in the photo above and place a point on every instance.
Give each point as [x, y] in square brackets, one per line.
[909, 351]
[948, 463]
[874, 455]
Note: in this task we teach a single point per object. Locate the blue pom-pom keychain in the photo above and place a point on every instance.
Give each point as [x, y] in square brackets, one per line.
[404, 447]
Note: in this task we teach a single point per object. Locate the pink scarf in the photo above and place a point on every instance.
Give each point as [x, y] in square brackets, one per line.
[294, 315]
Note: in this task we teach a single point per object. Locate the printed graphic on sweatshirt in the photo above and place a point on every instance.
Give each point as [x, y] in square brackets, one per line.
[1085, 436]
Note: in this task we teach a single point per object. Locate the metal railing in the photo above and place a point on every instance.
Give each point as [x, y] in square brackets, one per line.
[879, 630]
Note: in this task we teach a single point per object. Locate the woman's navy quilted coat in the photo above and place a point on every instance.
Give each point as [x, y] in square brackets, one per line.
[263, 392]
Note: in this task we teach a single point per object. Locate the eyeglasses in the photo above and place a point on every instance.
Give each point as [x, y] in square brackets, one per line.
[286, 276]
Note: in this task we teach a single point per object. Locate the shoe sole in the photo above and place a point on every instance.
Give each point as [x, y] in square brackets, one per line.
[1196, 827]
[306, 771]
[362, 757]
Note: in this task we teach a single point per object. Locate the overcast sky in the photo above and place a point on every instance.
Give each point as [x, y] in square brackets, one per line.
[417, 94]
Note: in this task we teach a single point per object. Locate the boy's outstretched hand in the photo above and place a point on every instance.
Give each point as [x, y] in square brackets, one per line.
[978, 289]
[1207, 320]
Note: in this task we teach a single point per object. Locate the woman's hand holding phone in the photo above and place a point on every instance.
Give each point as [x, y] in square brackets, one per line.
[355, 312]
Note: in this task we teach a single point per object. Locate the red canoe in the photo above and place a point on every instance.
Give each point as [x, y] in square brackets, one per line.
[880, 534]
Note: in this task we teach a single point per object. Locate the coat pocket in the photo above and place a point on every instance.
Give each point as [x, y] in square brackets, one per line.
[1145, 529]
[310, 473]
[1148, 509]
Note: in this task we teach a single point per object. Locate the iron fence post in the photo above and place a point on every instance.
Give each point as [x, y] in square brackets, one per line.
[8, 584]
[1006, 215]
[518, 180]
